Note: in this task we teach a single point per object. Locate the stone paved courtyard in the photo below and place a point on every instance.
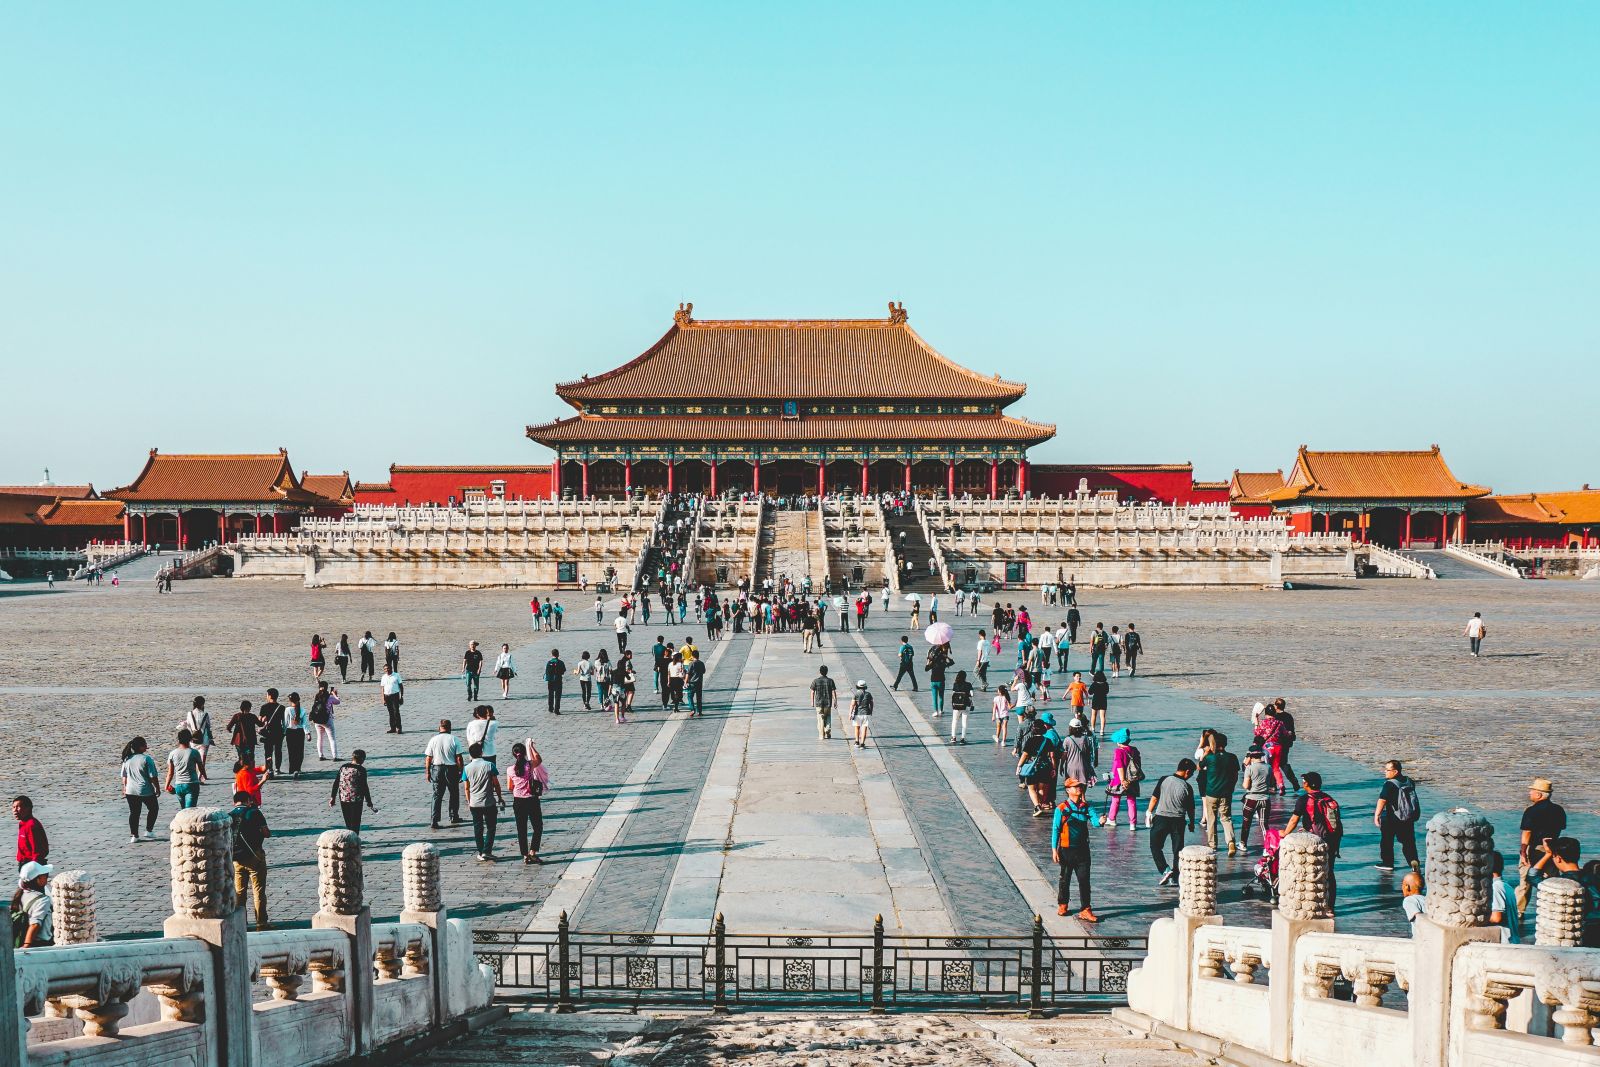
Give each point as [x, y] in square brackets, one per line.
[1371, 669]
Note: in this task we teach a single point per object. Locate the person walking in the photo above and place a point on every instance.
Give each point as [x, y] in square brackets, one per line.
[938, 659]
[1000, 712]
[1132, 648]
[824, 695]
[585, 670]
[242, 732]
[393, 688]
[442, 761]
[1318, 813]
[1171, 807]
[250, 833]
[322, 706]
[1114, 650]
[622, 628]
[1099, 696]
[980, 665]
[1074, 620]
[1219, 774]
[295, 721]
[368, 647]
[555, 673]
[1079, 759]
[140, 789]
[351, 790]
[186, 769]
[198, 722]
[319, 663]
[484, 730]
[1127, 778]
[505, 670]
[272, 720]
[484, 800]
[341, 658]
[1069, 847]
[1099, 644]
[1476, 631]
[33, 844]
[694, 682]
[472, 669]
[1543, 821]
[675, 678]
[861, 712]
[32, 908]
[960, 708]
[391, 653]
[908, 669]
[1257, 797]
[1396, 816]
[527, 780]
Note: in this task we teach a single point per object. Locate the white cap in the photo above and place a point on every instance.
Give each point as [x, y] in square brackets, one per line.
[861, 684]
[32, 870]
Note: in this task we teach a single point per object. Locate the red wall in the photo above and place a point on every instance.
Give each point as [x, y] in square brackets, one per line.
[1132, 483]
[439, 486]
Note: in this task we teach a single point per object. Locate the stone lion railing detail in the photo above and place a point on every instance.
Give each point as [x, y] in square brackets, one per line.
[188, 997]
[1453, 993]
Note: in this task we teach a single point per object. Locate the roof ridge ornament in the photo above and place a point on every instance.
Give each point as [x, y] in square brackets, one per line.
[897, 313]
[683, 316]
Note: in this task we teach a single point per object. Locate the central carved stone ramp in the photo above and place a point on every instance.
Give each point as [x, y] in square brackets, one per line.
[685, 1039]
[792, 538]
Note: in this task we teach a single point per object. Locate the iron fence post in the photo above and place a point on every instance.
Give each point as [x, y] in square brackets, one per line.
[563, 955]
[1036, 987]
[877, 966]
[719, 1001]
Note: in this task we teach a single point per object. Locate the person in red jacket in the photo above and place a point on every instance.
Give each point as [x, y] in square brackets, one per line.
[33, 844]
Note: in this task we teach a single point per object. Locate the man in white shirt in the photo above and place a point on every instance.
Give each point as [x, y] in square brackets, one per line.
[982, 663]
[1047, 647]
[393, 688]
[622, 632]
[482, 730]
[441, 762]
[1476, 633]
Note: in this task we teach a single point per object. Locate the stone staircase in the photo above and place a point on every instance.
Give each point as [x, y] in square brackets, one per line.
[787, 545]
[909, 542]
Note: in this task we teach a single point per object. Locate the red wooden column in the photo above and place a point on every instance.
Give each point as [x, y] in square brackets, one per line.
[584, 491]
[1022, 476]
[864, 465]
[627, 475]
[179, 514]
[950, 479]
[144, 528]
[908, 476]
[822, 477]
[672, 465]
[222, 526]
[713, 477]
[555, 478]
[755, 475]
[127, 525]
[258, 524]
[994, 479]
[1405, 537]
[1461, 528]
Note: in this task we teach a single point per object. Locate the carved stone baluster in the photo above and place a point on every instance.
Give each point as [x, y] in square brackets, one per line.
[1197, 881]
[1560, 917]
[1458, 847]
[285, 974]
[1303, 877]
[72, 894]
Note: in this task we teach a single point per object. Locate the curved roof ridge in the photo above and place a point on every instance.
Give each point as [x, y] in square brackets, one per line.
[1020, 387]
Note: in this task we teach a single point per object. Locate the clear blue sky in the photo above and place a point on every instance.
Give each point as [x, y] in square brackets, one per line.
[379, 233]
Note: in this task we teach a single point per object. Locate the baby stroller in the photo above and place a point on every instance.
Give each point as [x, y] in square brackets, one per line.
[1264, 884]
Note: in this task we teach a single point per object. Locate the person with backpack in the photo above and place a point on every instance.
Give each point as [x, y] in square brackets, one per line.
[527, 780]
[322, 706]
[271, 718]
[242, 732]
[1132, 646]
[351, 790]
[198, 723]
[1099, 644]
[1318, 813]
[368, 648]
[32, 911]
[908, 668]
[555, 673]
[960, 708]
[1171, 806]
[250, 833]
[1219, 773]
[295, 721]
[861, 713]
[823, 698]
[1069, 847]
[1277, 737]
[1127, 774]
[1396, 816]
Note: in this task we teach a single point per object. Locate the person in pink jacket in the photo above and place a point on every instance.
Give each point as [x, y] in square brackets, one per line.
[1127, 771]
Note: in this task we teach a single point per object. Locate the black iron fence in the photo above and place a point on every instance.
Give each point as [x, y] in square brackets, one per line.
[877, 971]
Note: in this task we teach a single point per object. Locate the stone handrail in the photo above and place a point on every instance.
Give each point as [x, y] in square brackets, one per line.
[187, 997]
[821, 545]
[1395, 564]
[1472, 1000]
[1483, 560]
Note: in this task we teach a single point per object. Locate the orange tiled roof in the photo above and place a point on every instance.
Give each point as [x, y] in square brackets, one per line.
[1579, 507]
[51, 492]
[17, 510]
[224, 479]
[335, 487]
[1252, 487]
[740, 429]
[782, 358]
[374, 487]
[1420, 475]
[83, 513]
[1209, 487]
[471, 468]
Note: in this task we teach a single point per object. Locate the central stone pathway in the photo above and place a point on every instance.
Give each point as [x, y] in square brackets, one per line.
[794, 833]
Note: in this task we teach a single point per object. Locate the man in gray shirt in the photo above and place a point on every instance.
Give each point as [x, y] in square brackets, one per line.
[484, 800]
[824, 694]
[1171, 807]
